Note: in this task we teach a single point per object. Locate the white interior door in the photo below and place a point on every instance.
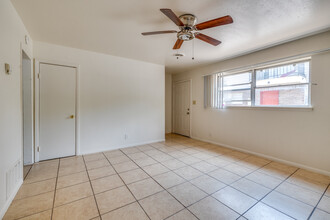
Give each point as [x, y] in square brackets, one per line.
[57, 111]
[182, 108]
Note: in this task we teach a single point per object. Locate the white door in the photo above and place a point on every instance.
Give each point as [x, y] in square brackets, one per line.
[182, 108]
[57, 111]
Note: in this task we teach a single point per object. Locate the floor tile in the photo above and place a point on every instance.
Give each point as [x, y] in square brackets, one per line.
[182, 215]
[314, 176]
[299, 193]
[145, 162]
[208, 184]
[126, 166]
[71, 169]
[263, 212]
[187, 193]
[211, 209]
[320, 215]
[72, 179]
[144, 188]
[251, 188]
[234, 199]
[113, 153]
[36, 176]
[287, 205]
[169, 179]
[133, 176]
[78, 210]
[155, 169]
[101, 172]
[36, 188]
[188, 173]
[189, 160]
[130, 150]
[45, 215]
[224, 176]
[162, 157]
[106, 183]
[219, 162]
[119, 159]
[276, 171]
[204, 167]
[307, 183]
[264, 179]
[97, 164]
[114, 199]
[72, 193]
[324, 204]
[173, 164]
[145, 147]
[93, 157]
[160, 205]
[238, 169]
[138, 156]
[30, 205]
[130, 212]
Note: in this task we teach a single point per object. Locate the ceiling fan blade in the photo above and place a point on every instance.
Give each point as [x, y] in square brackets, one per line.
[170, 14]
[207, 39]
[215, 22]
[158, 32]
[177, 44]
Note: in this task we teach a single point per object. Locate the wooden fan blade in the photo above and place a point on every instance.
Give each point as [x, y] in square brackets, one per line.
[215, 22]
[177, 44]
[170, 14]
[207, 39]
[158, 32]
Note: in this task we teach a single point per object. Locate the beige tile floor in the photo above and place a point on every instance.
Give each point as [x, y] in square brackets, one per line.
[180, 178]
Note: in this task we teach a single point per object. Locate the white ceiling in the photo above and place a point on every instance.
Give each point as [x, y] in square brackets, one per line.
[115, 26]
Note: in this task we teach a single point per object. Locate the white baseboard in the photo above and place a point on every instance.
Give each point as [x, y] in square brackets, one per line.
[10, 199]
[324, 172]
[123, 146]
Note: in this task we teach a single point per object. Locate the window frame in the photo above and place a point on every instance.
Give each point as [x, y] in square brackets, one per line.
[254, 87]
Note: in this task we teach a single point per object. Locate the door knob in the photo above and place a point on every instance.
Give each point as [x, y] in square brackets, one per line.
[71, 116]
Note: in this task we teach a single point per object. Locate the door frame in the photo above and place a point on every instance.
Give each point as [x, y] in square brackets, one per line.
[24, 49]
[190, 99]
[37, 63]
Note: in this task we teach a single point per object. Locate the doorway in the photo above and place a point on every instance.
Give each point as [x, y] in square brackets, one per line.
[181, 107]
[57, 111]
[27, 106]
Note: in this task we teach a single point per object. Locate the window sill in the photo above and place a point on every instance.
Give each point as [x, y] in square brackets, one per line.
[295, 108]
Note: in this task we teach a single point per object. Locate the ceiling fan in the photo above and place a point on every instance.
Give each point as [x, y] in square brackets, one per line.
[189, 29]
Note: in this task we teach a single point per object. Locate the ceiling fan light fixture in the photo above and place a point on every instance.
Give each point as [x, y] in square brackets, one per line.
[185, 35]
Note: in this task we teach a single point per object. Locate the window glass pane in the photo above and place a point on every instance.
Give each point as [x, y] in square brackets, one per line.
[237, 103]
[296, 95]
[237, 95]
[283, 75]
[236, 79]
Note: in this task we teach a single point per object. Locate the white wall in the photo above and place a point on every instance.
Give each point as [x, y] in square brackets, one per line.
[11, 37]
[168, 103]
[118, 97]
[300, 137]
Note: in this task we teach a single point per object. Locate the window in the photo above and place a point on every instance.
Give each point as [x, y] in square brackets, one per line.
[286, 85]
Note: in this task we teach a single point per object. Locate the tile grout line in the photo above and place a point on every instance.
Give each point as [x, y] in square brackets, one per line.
[90, 183]
[58, 170]
[318, 202]
[258, 201]
[126, 187]
[163, 188]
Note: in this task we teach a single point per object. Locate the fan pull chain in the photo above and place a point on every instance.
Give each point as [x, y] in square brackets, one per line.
[193, 50]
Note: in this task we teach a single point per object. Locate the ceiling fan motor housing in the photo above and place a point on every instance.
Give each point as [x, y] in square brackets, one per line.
[189, 21]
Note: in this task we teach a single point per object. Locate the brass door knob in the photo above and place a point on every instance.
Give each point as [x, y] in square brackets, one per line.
[71, 116]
